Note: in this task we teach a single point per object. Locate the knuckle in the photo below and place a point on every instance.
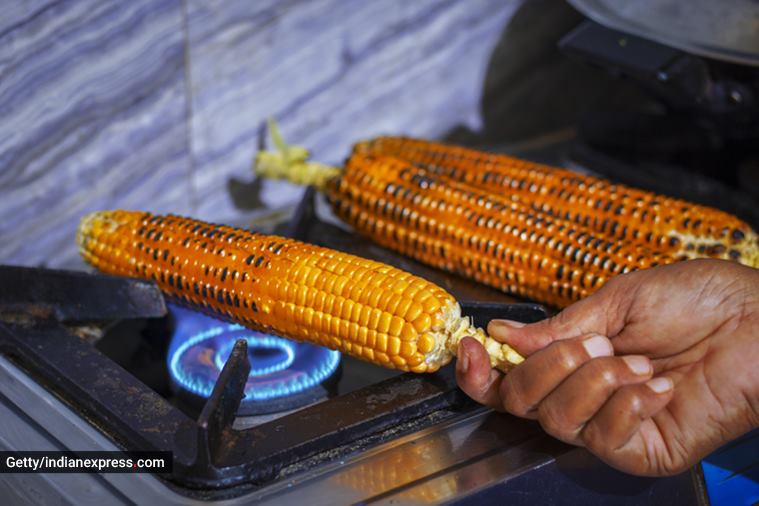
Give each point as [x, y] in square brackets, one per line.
[565, 355]
[553, 422]
[592, 437]
[607, 372]
[513, 398]
[631, 401]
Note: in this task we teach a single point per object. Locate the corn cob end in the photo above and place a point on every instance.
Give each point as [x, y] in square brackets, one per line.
[291, 163]
[90, 225]
[455, 328]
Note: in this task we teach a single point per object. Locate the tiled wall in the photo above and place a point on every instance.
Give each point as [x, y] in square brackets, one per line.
[158, 104]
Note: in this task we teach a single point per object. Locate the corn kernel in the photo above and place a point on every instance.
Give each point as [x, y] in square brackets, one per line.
[422, 323]
[394, 345]
[396, 326]
[408, 332]
[426, 343]
[381, 343]
[384, 322]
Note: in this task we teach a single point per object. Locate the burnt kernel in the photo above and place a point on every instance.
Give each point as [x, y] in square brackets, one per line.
[220, 296]
[228, 298]
[717, 249]
[259, 260]
[171, 279]
[196, 288]
[560, 272]
[738, 235]
[224, 273]
[674, 241]
[165, 255]
[253, 306]
[701, 249]
[734, 254]
[250, 258]
[237, 301]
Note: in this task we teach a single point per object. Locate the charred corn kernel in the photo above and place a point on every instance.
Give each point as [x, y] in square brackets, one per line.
[286, 287]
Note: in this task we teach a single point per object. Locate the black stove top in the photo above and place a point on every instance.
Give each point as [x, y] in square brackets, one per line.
[182, 382]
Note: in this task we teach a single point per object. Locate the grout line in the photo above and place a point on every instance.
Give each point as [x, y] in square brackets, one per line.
[194, 201]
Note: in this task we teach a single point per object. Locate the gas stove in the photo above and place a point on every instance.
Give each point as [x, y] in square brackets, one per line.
[93, 362]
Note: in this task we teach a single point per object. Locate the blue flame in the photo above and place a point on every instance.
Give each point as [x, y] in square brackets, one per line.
[279, 367]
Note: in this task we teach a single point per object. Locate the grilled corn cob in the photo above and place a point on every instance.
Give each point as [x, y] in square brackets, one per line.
[537, 231]
[364, 308]
[680, 228]
[480, 235]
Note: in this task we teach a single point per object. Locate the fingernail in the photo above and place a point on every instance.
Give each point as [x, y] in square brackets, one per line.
[598, 346]
[462, 363]
[660, 385]
[509, 323]
[637, 364]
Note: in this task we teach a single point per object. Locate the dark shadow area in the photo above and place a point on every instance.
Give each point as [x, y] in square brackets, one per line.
[532, 89]
[694, 135]
[246, 195]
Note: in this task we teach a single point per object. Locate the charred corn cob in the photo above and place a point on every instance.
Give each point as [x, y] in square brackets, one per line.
[680, 228]
[364, 308]
[537, 231]
[480, 235]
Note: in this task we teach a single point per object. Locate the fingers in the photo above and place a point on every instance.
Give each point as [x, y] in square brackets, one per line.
[475, 376]
[525, 387]
[566, 410]
[602, 313]
[610, 434]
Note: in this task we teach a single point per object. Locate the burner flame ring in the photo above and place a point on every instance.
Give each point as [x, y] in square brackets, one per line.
[284, 374]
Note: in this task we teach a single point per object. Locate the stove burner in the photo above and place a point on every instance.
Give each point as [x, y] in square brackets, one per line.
[284, 374]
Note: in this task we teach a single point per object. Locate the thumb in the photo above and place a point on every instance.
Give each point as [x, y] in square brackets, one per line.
[601, 313]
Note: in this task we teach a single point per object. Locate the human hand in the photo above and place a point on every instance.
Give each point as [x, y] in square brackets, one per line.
[651, 373]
